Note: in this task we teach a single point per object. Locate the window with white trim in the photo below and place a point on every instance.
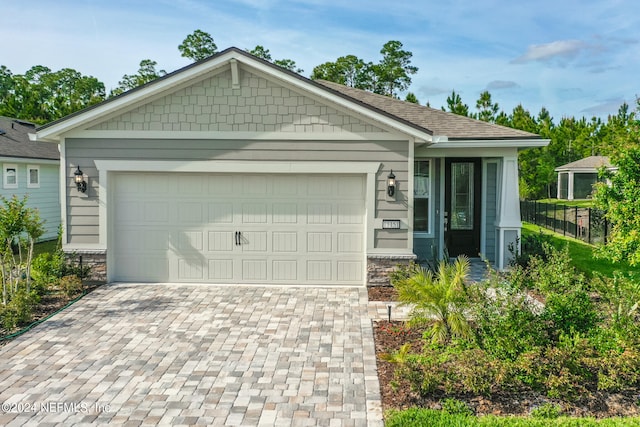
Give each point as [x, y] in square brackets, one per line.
[422, 196]
[33, 176]
[10, 176]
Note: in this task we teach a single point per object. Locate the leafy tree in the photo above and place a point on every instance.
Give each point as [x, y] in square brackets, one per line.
[621, 201]
[393, 73]
[41, 95]
[347, 70]
[411, 97]
[146, 73]
[198, 46]
[388, 77]
[288, 64]
[455, 105]
[487, 109]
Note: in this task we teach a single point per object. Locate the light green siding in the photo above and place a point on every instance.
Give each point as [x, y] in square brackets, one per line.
[259, 105]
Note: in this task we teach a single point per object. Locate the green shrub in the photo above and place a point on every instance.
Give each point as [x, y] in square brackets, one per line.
[531, 245]
[19, 310]
[570, 311]
[508, 326]
[554, 272]
[547, 411]
[456, 407]
[71, 285]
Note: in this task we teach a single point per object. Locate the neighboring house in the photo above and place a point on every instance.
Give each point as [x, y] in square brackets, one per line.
[234, 170]
[32, 169]
[576, 179]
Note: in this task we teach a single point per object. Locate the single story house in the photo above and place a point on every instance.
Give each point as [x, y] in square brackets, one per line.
[234, 170]
[31, 169]
[576, 179]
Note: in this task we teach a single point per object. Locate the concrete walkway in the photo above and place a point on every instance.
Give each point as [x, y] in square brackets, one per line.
[137, 355]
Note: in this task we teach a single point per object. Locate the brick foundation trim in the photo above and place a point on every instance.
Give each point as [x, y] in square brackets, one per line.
[379, 267]
[96, 259]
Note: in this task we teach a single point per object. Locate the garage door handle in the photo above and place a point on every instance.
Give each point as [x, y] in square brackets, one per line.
[238, 238]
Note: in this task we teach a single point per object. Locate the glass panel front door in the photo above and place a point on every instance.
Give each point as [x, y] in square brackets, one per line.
[462, 196]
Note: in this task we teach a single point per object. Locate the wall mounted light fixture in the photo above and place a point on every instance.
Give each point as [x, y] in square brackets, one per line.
[81, 184]
[391, 184]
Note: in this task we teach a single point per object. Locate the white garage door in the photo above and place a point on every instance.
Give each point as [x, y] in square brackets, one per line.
[231, 228]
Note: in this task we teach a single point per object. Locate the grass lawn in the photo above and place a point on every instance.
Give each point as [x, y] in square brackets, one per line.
[45, 247]
[432, 418]
[579, 203]
[581, 253]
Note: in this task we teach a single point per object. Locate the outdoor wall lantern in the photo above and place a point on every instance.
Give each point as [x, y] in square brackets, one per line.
[391, 184]
[81, 184]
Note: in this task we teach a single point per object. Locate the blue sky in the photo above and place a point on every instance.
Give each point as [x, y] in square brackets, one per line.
[576, 58]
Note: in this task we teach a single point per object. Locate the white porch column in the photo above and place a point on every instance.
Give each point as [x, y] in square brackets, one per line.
[508, 222]
[570, 186]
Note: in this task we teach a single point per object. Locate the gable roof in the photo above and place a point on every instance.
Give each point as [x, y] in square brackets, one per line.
[436, 122]
[591, 163]
[422, 123]
[14, 141]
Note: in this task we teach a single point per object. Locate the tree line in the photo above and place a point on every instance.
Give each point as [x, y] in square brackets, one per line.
[42, 95]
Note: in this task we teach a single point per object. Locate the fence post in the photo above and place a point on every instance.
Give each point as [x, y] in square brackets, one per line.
[577, 222]
[589, 223]
[564, 220]
[554, 216]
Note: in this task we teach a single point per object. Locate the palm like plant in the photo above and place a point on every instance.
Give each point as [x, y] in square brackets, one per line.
[438, 299]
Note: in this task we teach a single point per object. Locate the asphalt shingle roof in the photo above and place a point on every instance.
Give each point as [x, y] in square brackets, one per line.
[436, 122]
[591, 162]
[14, 141]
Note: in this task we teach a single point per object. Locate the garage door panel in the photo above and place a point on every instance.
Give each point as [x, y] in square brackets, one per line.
[350, 213]
[221, 269]
[155, 211]
[254, 185]
[319, 270]
[191, 213]
[319, 213]
[349, 242]
[254, 269]
[285, 269]
[284, 241]
[221, 241]
[190, 269]
[254, 213]
[319, 242]
[284, 213]
[294, 228]
[221, 213]
[190, 241]
[349, 271]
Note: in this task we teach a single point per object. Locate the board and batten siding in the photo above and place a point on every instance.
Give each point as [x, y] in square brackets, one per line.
[82, 210]
[491, 209]
[45, 198]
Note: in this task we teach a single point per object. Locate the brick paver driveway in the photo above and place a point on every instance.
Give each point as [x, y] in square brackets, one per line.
[131, 354]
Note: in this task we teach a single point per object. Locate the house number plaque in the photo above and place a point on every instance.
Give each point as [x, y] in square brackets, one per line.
[391, 223]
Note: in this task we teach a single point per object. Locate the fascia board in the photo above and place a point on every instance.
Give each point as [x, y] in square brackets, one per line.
[494, 143]
[54, 132]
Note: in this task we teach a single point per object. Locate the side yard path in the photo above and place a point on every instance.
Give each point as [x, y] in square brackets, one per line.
[187, 354]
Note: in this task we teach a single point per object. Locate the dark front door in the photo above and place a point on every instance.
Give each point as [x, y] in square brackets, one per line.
[462, 206]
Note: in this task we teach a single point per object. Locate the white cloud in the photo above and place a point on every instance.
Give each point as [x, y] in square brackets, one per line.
[560, 49]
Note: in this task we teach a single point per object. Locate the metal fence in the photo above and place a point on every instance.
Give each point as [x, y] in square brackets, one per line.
[586, 224]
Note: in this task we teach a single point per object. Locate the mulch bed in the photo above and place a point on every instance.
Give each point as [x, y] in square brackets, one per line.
[49, 304]
[390, 336]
